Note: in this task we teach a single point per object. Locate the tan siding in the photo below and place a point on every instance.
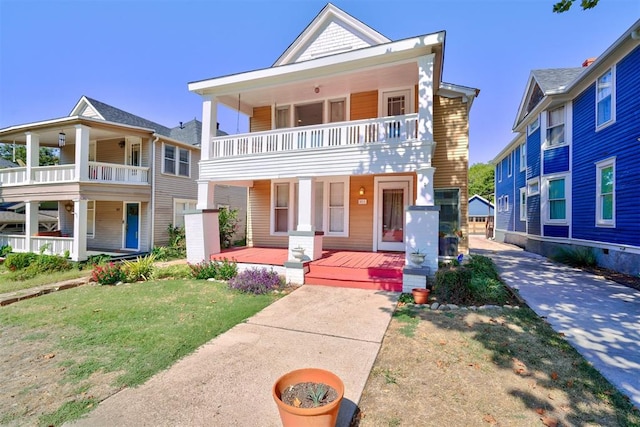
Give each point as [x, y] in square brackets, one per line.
[110, 152]
[451, 159]
[259, 214]
[261, 119]
[364, 105]
[235, 198]
[108, 226]
[360, 218]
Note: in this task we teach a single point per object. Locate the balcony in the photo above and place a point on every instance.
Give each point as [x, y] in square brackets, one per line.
[393, 129]
[109, 173]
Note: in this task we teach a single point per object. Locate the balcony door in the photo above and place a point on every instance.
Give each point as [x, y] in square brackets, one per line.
[309, 114]
[396, 103]
[392, 199]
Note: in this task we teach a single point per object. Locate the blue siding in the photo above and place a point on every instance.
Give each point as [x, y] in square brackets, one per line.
[533, 154]
[505, 219]
[556, 160]
[533, 214]
[618, 140]
[556, 230]
[520, 181]
[478, 207]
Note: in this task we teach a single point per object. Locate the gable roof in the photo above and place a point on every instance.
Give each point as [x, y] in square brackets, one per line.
[331, 31]
[4, 163]
[555, 79]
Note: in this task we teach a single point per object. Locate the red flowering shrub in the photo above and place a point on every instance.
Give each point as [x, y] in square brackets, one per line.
[109, 274]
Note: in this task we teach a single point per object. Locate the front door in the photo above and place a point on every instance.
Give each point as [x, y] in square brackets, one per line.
[393, 198]
[132, 225]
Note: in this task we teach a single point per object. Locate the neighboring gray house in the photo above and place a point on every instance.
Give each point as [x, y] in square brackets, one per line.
[121, 181]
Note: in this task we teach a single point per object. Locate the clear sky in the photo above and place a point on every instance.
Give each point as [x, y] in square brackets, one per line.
[139, 55]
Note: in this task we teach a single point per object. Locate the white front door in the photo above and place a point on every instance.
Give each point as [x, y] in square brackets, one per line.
[392, 199]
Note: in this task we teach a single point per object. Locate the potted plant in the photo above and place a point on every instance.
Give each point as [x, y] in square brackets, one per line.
[416, 257]
[308, 397]
[298, 253]
[420, 295]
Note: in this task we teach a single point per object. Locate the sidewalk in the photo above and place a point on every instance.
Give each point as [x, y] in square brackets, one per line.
[600, 318]
[227, 382]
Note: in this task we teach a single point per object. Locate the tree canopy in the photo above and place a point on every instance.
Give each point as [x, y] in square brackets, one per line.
[481, 180]
[564, 5]
[48, 156]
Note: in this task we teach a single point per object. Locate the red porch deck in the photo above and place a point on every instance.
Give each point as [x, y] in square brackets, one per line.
[365, 270]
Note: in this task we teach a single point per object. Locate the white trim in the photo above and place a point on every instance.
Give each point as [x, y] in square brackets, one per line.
[544, 199]
[92, 210]
[609, 223]
[510, 164]
[523, 156]
[176, 160]
[533, 181]
[546, 143]
[124, 224]
[534, 125]
[499, 171]
[185, 201]
[377, 180]
[523, 212]
[585, 242]
[506, 203]
[290, 207]
[612, 119]
[385, 93]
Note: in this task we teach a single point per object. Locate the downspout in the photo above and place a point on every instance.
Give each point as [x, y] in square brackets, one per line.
[153, 191]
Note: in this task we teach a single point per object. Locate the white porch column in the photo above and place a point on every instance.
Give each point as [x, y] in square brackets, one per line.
[30, 223]
[305, 235]
[209, 125]
[425, 97]
[202, 231]
[82, 153]
[33, 153]
[79, 230]
[206, 192]
[425, 193]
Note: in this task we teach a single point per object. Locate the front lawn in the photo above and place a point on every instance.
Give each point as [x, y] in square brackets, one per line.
[65, 352]
[10, 282]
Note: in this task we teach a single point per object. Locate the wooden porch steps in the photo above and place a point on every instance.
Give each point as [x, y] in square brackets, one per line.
[388, 279]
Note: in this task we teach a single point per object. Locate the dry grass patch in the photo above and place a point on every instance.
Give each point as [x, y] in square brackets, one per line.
[503, 367]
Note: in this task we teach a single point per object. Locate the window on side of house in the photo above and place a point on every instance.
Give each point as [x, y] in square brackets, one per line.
[281, 207]
[506, 203]
[606, 193]
[533, 126]
[91, 219]
[336, 207]
[605, 99]
[449, 202]
[499, 171]
[169, 159]
[523, 157]
[180, 206]
[523, 204]
[556, 199]
[533, 187]
[555, 127]
[510, 164]
[177, 161]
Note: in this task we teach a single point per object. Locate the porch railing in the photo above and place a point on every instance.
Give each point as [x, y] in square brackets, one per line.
[385, 129]
[47, 245]
[17, 242]
[49, 174]
[101, 172]
[109, 172]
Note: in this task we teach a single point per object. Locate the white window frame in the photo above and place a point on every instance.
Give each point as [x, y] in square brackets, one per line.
[533, 187]
[545, 202]
[385, 93]
[500, 203]
[565, 141]
[176, 201]
[290, 206]
[612, 119]
[91, 215]
[533, 126]
[523, 157]
[326, 110]
[510, 164]
[176, 161]
[523, 205]
[506, 203]
[600, 222]
[499, 172]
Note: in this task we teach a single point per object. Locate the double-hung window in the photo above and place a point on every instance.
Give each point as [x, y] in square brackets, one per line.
[556, 199]
[523, 157]
[510, 164]
[177, 161]
[91, 219]
[499, 171]
[605, 193]
[523, 204]
[180, 206]
[555, 127]
[605, 101]
[281, 207]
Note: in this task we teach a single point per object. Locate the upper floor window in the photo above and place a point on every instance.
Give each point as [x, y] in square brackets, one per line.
[533, 187]
[555, 127]
[605, 102]
[499, 171]
[605, 193]
[510, 164]
[533, 126]
[523, 157]
[177, 161]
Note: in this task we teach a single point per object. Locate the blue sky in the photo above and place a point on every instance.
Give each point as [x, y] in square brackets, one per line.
[139, 55]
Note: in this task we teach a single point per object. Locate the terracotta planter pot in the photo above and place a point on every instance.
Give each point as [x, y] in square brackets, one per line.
[322, 416]
[420, 296]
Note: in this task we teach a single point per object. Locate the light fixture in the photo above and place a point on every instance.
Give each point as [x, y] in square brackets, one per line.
[121, 144]
[361, 191]
[317, 89]
[62, 138]
[68, 207]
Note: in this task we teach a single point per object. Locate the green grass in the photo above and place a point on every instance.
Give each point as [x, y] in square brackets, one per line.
[10, 283]
[134, 330]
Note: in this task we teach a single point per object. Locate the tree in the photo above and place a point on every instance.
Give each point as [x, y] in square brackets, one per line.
[48, 156]
[564, 5]
[481, 180]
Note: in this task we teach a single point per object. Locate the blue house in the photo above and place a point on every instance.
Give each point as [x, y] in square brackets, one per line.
[480, 209]
[570, 176]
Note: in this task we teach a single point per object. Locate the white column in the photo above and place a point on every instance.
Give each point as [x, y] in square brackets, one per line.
[82, 153]
[30, 223]
[306, 202]
[33, 153]
[425, 97]
[206, 193]
[209, 125]
[425, 193]
[79, 230]
[202, 232]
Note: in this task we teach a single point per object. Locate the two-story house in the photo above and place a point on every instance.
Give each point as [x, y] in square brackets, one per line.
[121, 180]
[570, 175]
[355, 143]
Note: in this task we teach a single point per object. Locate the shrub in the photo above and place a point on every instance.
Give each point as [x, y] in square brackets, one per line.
[109, 274]
[483, 266]
[101, 259]
[5, 249]
[173, 272]
[219, 270]
[256, 281]
[582, 256]
[452, 285]
[177, 237]
[228, 224]
[140, 269]
[486, 290]
[18, 261]
[37, 264]
[227, 270]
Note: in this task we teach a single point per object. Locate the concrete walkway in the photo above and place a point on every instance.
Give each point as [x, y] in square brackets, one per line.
[227, 382]
[600, 318]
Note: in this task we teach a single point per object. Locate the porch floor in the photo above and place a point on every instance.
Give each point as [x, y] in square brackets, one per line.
[366, 270]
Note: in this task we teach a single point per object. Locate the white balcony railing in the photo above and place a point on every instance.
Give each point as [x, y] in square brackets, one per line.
[100, 172]
[380, 130]
[39, 244]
